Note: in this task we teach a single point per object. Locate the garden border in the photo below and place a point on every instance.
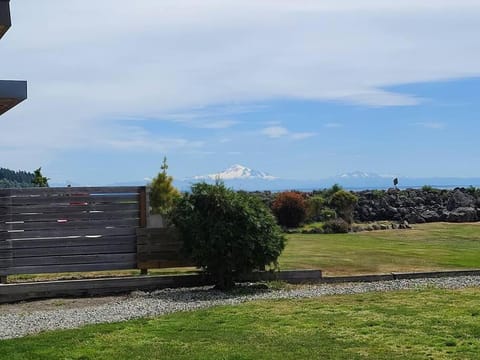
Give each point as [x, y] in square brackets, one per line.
[110, 286]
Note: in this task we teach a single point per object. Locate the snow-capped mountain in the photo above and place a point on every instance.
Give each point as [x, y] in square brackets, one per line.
[362, 175]
[237, 172]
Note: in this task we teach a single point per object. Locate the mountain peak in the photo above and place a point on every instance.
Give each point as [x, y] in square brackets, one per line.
[359, 175]
[235, 172]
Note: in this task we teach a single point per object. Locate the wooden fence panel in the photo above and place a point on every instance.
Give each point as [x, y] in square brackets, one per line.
[69, 229]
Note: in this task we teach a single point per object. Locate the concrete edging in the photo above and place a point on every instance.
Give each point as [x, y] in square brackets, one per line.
[111, 286]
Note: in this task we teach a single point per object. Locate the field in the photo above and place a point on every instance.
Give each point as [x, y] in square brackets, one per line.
[435, 246]
[445, 324]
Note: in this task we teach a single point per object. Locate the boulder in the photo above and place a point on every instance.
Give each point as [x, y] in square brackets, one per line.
[463, 214]
[459, 199]
[430, 216]
[414, 218]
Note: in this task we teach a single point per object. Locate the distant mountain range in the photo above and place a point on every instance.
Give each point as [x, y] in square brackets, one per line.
[240, 177]
[243, 178]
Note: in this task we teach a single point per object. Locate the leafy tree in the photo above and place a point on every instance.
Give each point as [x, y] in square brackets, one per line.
[162, 192]
[344, 203]
[290, 209]
[38, 179]
[225, 232]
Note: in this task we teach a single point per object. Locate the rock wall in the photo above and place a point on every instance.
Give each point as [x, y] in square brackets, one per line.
[419, 205]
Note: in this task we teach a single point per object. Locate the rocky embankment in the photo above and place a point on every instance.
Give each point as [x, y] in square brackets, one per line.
[419, 205]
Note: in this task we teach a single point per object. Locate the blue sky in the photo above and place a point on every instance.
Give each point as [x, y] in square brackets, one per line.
[301, 90]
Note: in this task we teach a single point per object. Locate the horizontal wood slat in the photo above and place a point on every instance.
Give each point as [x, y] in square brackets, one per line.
[78, 215]
[71, 190]
[160, 248]
[69, 209]
[54, 201]
[79, 241]
[61, 224]
[74, 250]
[68, 268]
[74, 259]
[62, 233]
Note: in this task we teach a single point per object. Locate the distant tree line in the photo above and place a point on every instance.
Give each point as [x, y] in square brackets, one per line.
[15, 179]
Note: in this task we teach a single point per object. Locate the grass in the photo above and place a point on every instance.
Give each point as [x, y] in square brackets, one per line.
[436, 246]
[418, 324]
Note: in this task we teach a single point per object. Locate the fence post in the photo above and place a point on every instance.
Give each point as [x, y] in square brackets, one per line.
[144, 204]
[144, 207]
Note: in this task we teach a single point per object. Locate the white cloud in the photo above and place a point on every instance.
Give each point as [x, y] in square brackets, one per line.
[275, 132]
[431, 125]
[303, 135]
[161, 57]
[220, 124]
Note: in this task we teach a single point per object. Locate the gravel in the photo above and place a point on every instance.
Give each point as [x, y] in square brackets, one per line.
[20, 323]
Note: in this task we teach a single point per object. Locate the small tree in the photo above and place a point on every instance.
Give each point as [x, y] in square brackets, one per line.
[289, 208]
[162, 192]
[315, 206]
[344, 203]
[38, 179]
[332, 191]
[225, 232]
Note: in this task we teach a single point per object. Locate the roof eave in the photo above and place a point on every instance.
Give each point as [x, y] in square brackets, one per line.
[5, 20]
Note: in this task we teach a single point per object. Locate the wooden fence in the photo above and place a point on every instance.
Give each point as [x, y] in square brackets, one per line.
[70, 229]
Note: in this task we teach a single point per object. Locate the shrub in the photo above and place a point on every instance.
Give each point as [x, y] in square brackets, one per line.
[472, 190]
[336, 226]
[344, 203]
[378, 194]
[162, 193]
[327, 214]
[289, 208]
[315, 205]
[225, 232]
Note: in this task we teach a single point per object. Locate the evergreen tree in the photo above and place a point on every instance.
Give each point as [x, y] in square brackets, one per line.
[38, 179]
[162, 192]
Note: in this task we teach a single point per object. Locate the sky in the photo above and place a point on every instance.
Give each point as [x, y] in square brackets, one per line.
[299, 89]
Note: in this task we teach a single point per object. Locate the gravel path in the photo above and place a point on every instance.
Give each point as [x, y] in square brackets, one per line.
[18, 321]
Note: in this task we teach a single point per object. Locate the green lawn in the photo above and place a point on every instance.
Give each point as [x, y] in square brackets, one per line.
[418, 324]
[437, 246]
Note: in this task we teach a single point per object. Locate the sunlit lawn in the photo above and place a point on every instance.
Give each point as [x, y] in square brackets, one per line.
[418, 324]
[437, 246]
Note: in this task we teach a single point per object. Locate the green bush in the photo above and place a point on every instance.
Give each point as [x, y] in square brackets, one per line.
[344, 203]
[225, 232]
[315, 205]
[327, 214]
[472, 190]
[290, 209]
[336, 226]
